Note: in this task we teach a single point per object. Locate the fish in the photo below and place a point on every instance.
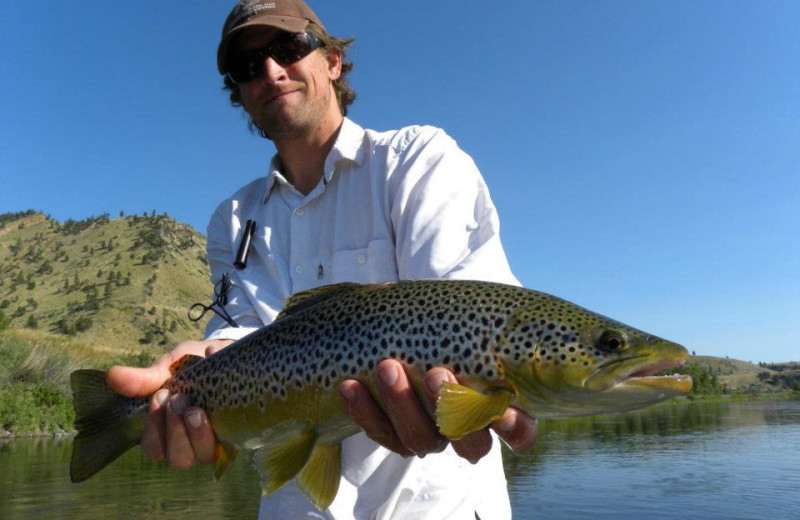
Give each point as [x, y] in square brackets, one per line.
[274, 392]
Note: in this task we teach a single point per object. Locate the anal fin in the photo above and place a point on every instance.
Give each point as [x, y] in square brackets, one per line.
[282, 457]
[461, 410]
[319, 479]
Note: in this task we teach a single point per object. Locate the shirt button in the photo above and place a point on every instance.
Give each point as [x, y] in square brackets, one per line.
[298, 269]
[361, 259]
[299, 212]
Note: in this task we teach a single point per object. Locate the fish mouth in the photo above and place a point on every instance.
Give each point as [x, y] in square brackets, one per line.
[680, 384]
[639, 373]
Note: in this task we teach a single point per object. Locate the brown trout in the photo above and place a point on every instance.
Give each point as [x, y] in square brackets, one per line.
[274, 392]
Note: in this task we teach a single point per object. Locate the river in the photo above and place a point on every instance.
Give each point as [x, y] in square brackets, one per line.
[723, 460]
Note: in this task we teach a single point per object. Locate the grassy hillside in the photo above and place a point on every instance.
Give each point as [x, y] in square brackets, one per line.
[115, 285]
[88, 293]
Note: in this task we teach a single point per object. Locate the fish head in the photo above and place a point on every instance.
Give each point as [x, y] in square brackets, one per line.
[579, 362]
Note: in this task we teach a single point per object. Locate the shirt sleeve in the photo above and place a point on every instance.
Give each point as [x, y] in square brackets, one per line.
[219, 252]
[444, 221]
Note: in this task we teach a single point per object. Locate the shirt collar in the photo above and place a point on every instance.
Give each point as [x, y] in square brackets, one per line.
[347, 147]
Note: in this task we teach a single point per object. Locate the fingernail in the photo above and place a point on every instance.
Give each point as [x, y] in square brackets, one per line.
[179, 403]
[161, 396]
[348, 393]
[434, 380]
[388, 374]
[193, 418]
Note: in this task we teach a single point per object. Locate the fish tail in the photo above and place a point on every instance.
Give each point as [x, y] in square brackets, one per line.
[108, 424]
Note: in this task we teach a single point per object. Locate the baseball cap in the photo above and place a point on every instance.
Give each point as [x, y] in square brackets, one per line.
[288, 15]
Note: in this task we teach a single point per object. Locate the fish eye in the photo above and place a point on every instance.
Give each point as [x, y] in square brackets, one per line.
[612, 341]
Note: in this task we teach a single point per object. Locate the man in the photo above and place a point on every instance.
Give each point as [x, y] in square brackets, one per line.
[341, 203]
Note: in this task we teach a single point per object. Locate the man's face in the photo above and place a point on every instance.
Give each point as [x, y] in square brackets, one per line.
[292, 100]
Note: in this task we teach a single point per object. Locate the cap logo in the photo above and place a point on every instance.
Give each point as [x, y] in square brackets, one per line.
[250, 9]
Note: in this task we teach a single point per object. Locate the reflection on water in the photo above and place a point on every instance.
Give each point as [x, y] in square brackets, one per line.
[34, 483]
[677, 460]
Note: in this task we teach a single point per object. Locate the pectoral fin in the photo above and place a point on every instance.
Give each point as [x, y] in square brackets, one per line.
[461, 410]
[225, 454]
[282, 457]
[319, 479]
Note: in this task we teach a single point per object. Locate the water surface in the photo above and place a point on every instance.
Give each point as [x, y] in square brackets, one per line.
[738, 460]
[704, 460]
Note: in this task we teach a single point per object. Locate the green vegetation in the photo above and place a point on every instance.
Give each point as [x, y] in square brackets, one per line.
[33, 392]
[723, 377]
[88, 293]
[781, 375]
[7, 218]
[34, 381]
[704, 383]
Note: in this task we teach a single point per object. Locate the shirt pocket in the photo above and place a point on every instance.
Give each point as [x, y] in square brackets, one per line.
[375, 263]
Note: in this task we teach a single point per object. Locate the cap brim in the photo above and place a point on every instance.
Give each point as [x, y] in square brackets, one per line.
[285, 23]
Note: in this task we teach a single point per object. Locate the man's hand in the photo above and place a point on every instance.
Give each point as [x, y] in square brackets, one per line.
[407, 429]
[173, 431]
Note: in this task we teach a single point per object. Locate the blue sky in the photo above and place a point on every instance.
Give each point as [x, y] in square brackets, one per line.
[644, 156]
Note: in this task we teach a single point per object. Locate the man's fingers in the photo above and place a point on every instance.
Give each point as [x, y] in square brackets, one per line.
[142, 382]
[517, 429]
[153, 438]
[201, 435]
[213, 349]
[473, 446]
[413, 425]
[179, 451]
[366, 414]
[433, 379]
[171, 431]
[137, 382]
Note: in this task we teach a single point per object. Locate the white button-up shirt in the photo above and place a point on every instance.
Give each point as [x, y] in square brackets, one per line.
[404, 204]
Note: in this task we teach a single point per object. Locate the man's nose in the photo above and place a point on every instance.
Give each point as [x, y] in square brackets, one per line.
[273, 71]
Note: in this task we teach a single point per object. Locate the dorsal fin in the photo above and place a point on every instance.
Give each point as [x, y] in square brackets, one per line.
[305, 299]
[184, 363]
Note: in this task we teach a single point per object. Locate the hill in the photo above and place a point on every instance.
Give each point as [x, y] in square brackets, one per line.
[715, 376]
[117, 285]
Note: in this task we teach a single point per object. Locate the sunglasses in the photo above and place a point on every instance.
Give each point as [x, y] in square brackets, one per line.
[286, 49]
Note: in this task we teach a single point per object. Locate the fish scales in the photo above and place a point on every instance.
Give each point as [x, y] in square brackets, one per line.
[422, 323]
[275, 391]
